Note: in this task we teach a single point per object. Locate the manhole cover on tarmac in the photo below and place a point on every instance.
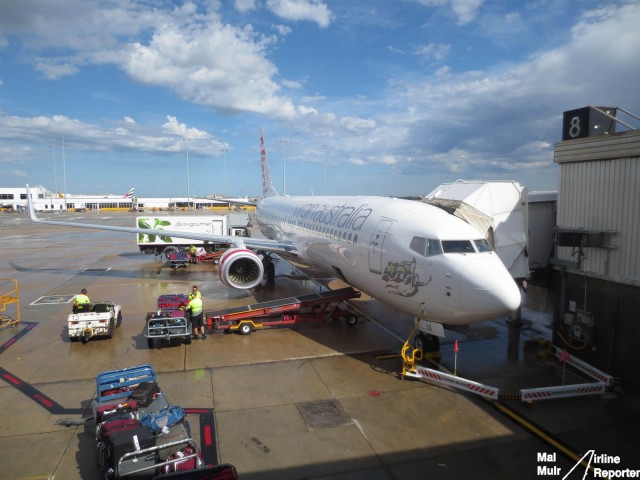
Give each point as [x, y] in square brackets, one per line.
[323, 414]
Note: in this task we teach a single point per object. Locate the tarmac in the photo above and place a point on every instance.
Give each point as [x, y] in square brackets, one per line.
[321, 401]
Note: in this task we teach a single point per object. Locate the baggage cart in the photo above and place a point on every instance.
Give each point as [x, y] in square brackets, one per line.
[179, 260]
[164, 326]
[151, 451]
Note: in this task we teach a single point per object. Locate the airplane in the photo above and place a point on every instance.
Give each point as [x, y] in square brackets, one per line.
[414, 256]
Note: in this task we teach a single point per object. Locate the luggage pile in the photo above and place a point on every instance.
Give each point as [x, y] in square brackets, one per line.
[139, 434]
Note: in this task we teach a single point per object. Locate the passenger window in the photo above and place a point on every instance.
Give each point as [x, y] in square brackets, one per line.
[457, 246]
[482, 245]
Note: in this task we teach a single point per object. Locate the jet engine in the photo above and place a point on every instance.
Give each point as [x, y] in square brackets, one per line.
[241, 268]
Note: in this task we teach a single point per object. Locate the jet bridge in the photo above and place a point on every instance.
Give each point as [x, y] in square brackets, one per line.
[497, 209]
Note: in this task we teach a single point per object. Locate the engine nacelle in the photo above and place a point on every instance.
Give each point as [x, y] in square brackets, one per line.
[241, 268]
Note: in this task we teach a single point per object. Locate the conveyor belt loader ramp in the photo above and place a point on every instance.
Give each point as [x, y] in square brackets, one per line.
[313, 307]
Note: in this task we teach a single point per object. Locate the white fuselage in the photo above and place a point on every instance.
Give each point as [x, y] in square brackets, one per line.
[398, 251]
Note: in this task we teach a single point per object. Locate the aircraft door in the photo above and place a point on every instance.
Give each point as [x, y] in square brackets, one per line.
[376, 243]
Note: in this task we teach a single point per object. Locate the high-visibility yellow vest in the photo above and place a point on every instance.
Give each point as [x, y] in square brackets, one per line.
[195, 305]
[81, 298]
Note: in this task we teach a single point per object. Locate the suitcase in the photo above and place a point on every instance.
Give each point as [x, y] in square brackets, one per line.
[181, 465]
[112, 411]
[129, 440]
[107, 428]
[144, 393]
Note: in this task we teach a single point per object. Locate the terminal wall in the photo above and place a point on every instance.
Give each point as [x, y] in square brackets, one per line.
[612, 342]
[598, 310]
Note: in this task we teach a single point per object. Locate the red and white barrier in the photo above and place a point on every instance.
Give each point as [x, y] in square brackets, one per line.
[457, 382]
[584, 367]
[548, 393]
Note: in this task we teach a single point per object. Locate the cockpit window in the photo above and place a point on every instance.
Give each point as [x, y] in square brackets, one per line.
[457, 246]
[427, 247]
[482, 245]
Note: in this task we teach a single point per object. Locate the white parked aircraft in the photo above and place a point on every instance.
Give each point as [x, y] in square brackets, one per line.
[414, 256]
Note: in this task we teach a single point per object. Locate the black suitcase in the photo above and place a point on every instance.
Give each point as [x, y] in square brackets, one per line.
[129, 440]
[144, 393]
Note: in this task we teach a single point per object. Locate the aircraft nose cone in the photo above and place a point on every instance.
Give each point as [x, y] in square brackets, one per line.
[487, 287]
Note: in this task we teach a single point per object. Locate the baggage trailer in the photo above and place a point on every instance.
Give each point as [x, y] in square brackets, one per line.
[166, 325]
[179, 260]
[129, 403]
[311, 308]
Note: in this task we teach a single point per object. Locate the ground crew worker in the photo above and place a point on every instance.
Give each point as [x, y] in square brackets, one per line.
[194, 307]
[81, 301]
[192, 254]
[194, 292]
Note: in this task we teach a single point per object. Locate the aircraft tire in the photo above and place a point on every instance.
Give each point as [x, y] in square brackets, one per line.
[351, 320]
[270, 271]
[427, 343]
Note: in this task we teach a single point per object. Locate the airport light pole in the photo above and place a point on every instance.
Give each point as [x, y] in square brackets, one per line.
[284, 167]
[188, 140]
[55, 175]
[64, 174]
[325, 169]
[224, 151]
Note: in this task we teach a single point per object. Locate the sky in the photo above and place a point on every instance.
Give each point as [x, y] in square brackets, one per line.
[371, 97]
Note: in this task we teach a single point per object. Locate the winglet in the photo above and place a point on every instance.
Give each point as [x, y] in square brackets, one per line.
[267, 185]
[32, 210]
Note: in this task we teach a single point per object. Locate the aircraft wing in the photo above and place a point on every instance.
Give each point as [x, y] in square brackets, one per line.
[235, 201]
[241, 242]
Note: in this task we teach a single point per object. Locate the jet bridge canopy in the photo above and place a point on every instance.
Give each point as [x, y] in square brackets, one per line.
[497, 209]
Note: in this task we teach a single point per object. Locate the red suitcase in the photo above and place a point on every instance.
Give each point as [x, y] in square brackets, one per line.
[181, 465]
[105, 429]
[115, 410]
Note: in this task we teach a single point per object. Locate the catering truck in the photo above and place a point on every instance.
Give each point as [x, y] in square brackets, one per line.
[207, 224]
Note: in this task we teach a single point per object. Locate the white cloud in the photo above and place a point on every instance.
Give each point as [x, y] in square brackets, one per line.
[245, 5]
[298, 10]
[432, 51]
[357, 125]
[291, 84]
[174, 127]
[465, 10]
[282, 30]
[54, 70]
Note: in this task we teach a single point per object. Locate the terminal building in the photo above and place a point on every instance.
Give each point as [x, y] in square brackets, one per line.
[15, 199]
[597, 242]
